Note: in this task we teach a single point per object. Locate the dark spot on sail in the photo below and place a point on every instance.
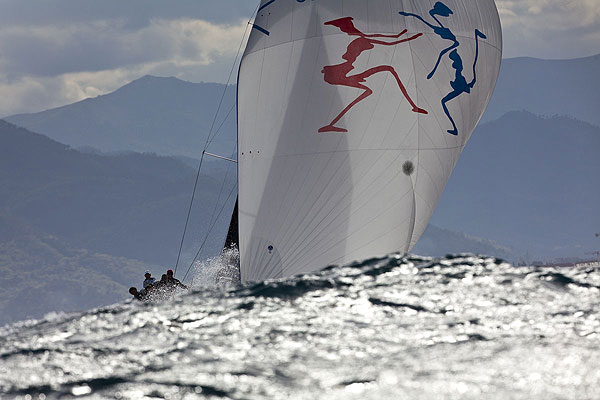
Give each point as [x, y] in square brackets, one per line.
[408, 168]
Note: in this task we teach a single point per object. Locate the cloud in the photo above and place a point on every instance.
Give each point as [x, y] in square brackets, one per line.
[50, 65]
[100, 45]
[38, 93]
[137, 12]
[58, 52]
[550, 28]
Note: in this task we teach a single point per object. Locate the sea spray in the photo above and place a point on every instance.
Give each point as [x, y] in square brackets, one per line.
[221, 271]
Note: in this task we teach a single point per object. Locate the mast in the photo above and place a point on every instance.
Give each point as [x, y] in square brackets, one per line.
[232, 239]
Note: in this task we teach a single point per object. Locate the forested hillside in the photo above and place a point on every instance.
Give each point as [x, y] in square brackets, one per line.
[528, 182]
[77, 229]
[131, 205]
[40, 273]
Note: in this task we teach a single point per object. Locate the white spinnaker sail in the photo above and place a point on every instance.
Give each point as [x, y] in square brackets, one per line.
[352, 115]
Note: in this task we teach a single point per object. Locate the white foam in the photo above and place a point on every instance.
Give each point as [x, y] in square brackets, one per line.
[216, 271]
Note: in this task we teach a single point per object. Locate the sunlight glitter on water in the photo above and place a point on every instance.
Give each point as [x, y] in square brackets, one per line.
[463, 327]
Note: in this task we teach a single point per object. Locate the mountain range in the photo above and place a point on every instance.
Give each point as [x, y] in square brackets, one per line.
[168, 116]
[131, 205]
[101, 191]
[42, 273]
[530, 183]
[548, 88]
[554, 140]
[77, 228]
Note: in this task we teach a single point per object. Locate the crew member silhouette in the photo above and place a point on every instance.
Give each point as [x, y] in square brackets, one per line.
[459, 84]
[338, 74]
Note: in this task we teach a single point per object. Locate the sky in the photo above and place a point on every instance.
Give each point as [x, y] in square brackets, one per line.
[57, 52]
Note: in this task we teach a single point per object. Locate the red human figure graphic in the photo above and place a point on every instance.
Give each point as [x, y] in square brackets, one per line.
[338, 74]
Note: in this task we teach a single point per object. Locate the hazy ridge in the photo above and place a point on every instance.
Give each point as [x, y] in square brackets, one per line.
[69, 219]
[548, 87]
[77, 229]
[528, 182]
[166, 116]
[172, 117]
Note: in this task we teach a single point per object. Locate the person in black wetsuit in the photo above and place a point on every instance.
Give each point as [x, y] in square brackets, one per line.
[136, 295]
[164, 281]
[174, 282]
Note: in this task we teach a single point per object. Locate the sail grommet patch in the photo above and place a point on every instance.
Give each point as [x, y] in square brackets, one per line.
[270, 248]
[408, 168]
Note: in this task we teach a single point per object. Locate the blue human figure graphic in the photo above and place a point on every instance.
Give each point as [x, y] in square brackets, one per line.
[459, 84]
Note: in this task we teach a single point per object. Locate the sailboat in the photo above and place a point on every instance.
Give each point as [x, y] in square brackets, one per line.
[351, 117]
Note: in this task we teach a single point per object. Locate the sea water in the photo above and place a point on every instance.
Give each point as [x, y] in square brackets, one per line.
[460, 327]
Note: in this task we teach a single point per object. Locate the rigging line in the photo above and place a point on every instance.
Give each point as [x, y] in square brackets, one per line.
[212, 222]
[213, 219]
[187, 219]
[219, 197]
[222, 123]
[209, 230]
[208, 139]
[206, 146]
[221, 157]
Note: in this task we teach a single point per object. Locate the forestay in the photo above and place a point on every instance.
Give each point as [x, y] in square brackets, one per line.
[352, 115]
